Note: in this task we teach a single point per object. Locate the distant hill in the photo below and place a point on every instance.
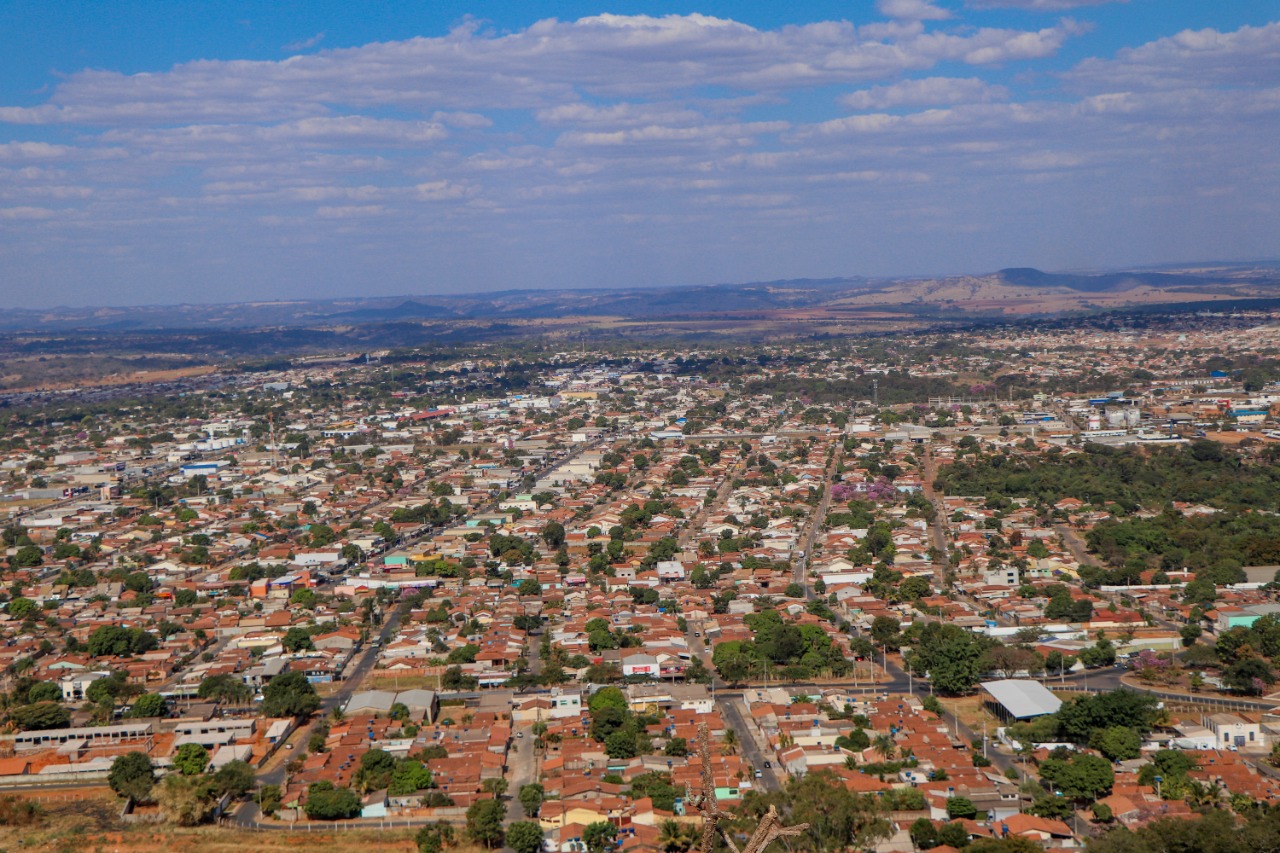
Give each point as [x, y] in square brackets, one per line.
[1016, 290]
[1030, 277]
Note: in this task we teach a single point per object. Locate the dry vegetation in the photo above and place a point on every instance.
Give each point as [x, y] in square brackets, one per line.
[87, 821]
[57, 372]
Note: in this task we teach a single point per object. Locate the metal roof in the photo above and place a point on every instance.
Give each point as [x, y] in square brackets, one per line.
[1023, 698]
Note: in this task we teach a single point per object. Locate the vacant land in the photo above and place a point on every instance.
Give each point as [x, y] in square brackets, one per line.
[60, 372]
[87, 820]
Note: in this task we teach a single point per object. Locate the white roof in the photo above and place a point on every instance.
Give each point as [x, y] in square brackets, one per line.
[1023, 698]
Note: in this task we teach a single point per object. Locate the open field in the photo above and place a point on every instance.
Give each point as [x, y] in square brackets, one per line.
[970, 711]
[86, 821]
[387, 681]
[61, 372]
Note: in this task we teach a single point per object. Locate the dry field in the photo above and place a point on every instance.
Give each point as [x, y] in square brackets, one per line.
[86, 821]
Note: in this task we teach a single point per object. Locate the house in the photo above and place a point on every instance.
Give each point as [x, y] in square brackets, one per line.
[670, 571]
[1232, 731]
[75, 687]
[639, 663]
[565, 703]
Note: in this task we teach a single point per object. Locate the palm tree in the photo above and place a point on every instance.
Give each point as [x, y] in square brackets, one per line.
[883, 744]
[729, 740]
[674, 836]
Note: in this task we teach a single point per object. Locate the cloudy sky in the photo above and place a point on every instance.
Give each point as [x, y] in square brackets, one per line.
[158, 152]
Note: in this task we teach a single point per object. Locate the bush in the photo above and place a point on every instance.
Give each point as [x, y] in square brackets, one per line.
[961, 807]
[19, 811]
[325, 802]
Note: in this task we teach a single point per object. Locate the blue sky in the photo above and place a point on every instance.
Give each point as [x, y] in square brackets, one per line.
[208, 152]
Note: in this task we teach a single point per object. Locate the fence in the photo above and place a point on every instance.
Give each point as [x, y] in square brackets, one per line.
[53, 780]
[1188, 699]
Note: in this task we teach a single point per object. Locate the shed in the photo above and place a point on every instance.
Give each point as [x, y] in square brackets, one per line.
[1020, 699]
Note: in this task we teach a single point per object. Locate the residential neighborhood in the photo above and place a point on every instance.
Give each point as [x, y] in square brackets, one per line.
[356, 593]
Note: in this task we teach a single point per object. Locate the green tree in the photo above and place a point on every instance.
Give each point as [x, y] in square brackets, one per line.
[961, 807]
[191, 759]
[297, 639]
[607, 697]
[1249, 675]
[132, 775]
[374, 773]
[289, 695]
[954, 835]
[950, 655]
[1079, 717]
[44, 691]
[531, 797]
[620, 745]
[325, 802]
[838, 819]
[39, 716]
[924, 834]
[599, 836]
[525, 836]
[553, 535]
[224, 688]
[484, 822]
[1117, 743]
[21, 608]
[149, 705]
[235, 778]
[1080, 777]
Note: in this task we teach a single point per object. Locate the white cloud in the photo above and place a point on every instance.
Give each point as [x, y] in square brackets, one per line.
[914, 10]
[928, 91]
[440, 191]
[712, 135]
[540, 67]
[1249, 56]
[355, 211]
[308, 132]
[545, 155]
[304, 44]
[26, 213]
[1039, 5]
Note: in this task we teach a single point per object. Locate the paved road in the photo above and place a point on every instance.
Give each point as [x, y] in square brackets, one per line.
[937, 525]
[522, 769]
[693, 526]
[731, 710]
[817, 522]
[248, 813]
